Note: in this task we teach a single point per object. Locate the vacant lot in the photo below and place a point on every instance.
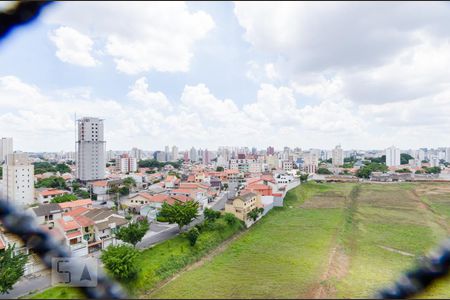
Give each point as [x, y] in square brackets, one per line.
[329, 241]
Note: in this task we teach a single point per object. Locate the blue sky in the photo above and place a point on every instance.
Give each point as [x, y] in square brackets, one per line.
[207, 74]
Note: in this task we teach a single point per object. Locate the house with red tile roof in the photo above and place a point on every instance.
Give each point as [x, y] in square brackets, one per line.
[68, 206]
[45, 195]
[73, 233]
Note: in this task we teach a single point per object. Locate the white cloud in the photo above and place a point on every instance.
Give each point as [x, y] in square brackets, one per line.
[140, 93]
[139, 36]
[73, 47]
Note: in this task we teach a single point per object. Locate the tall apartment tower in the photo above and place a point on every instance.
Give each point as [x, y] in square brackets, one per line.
[90, 149]
[392, 157]
[337, 156]
[18, 179]
[174, 155]
[6, 147]
[136, 153]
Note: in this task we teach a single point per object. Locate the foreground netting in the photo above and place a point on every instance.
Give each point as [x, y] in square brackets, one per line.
[429, 269]
[38, 240]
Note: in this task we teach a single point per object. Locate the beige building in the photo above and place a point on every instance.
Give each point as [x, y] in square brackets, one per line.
[18, 179]
[337, 156]
[242, 205]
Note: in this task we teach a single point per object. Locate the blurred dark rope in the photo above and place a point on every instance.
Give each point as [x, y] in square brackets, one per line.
[20, 13]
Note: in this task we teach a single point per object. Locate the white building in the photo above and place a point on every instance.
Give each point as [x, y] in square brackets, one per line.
[310, 162]
[174, 153]
[392, 157]
[18, 179]
[127, 164]
[193, 155]
[287, 165]
[6, 147]
[337, 157]
[90, 149]
[136, 153]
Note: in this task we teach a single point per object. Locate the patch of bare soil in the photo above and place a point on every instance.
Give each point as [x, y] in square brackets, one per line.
[337, 267]
[396, 251]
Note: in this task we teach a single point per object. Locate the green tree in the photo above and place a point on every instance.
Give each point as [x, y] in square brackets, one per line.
[211, 215]
[323, 171]
[254, 213]
[304, 177]
[366, 171]
[404, 170]
[347, 165]
[121, 262]
[225, 186]
[179, 212]
[404, 158]
[432, 170]
[230, 218]
[83, 194]
[52, 182]
[129, 182]
[419, 172]
[124, 190]
[134, 232]
[219, 169]
[379, 160]
[43, 167]
[193, 235]
[12, 267]
[1, 172]
[62, 168]
[64, 198]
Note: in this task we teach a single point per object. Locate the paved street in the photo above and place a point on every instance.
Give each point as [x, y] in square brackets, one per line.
[30, 283]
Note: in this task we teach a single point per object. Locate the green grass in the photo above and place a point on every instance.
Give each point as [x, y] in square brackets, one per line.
[286, 253]
[58, 292]
[279, 257]
[381, 230]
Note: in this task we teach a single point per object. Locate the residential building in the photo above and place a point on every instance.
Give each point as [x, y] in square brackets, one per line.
[90, 149]
[193, 155]
[392, 156]
[337, 156]
[6, 147]
[174, 153]
[45, 195]
[127, 164]
[136, 153]
[47, 214]
[242, 205]
[18, 179]
[287, 165]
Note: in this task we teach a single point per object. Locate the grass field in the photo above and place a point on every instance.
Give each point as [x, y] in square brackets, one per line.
[328, 241]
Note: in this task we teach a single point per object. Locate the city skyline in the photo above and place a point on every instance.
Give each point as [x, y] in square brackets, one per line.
[228, 77]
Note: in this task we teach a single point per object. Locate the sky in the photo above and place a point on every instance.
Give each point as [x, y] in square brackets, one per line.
[365, 75]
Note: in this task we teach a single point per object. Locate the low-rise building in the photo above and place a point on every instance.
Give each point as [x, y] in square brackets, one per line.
[242, 205]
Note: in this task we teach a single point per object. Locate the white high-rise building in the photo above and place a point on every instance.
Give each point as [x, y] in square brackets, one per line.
[127, 164]
[136, 153]
[337, 156]
[392, 156]
[90, 149]
[193, 155]
[174, 153]
[18, 179]
[6, 147]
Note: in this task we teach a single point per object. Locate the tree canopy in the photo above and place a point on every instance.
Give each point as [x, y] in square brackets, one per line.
[404, 158]
[44, 167]
[52, 182]
[64, 198]
[219, 169]
[432, 170]
[324, 171]
[12, 267]
[379, 160]
[254, 213]
[179, 212]
[134, 232]
[366, 171]
[153, 163]
[121, 262]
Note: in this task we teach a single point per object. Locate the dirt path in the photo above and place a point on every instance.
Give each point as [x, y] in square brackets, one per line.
[338, 261]
[202, 261]
[396, 251]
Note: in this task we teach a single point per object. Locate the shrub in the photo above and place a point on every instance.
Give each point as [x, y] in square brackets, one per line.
[192, 235]
[230, 218]
[211, 215]
[121, 262]
[161, 219]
